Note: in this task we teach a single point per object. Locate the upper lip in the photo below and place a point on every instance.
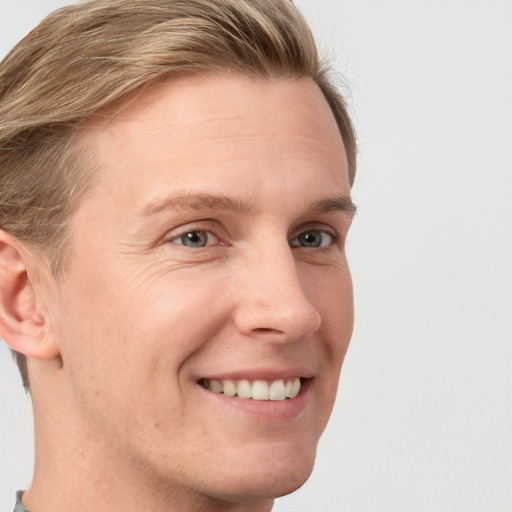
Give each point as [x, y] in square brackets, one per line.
[268, 374]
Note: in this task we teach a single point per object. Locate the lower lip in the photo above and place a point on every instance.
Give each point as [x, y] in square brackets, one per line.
[265, 410]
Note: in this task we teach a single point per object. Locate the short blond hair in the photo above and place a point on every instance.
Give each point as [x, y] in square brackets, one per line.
[84, 57]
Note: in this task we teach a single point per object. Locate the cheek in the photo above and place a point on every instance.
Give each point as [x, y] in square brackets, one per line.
[126, 350]
[330, 290]
[132, 330]
[333, 297]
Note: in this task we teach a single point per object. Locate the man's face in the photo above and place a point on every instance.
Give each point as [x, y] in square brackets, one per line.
[209, 256]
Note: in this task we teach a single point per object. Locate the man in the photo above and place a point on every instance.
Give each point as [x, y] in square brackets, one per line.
[175, 196]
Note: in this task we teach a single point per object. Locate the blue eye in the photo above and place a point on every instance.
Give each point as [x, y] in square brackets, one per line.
[312, 238]
[195, 239]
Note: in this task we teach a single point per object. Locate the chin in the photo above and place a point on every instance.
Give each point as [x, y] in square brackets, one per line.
[268, 479]
[293, 481]
[261, 491]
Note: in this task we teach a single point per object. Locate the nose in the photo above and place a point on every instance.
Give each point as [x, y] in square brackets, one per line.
[272, 303]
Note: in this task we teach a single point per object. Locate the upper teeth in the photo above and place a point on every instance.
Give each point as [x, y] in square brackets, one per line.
[257, 390]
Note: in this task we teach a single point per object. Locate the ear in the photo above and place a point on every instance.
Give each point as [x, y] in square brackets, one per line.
[22, 324]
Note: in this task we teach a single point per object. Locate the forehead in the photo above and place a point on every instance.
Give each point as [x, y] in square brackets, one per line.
[211, 132]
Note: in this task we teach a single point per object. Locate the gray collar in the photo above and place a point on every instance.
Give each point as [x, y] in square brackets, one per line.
[19, 505]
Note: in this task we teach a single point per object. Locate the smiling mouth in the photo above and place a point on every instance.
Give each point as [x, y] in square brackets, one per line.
[281, 389]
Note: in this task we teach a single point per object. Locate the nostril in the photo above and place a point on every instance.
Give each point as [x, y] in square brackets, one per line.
[264, 330]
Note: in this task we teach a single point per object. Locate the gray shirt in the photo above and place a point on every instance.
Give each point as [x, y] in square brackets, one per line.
[19, 505]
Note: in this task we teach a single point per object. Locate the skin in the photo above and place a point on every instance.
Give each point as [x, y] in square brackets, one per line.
[118, 343]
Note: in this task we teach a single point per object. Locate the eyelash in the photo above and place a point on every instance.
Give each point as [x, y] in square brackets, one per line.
[209, 236]
[332, 239]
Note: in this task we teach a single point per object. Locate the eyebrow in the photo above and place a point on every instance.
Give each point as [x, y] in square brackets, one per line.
[201, 201]
[333, 204]
[204, 201]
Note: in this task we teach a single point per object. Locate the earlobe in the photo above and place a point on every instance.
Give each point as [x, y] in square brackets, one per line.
[22, 325]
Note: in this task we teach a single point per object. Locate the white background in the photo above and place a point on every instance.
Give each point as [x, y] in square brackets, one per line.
[423, 421]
